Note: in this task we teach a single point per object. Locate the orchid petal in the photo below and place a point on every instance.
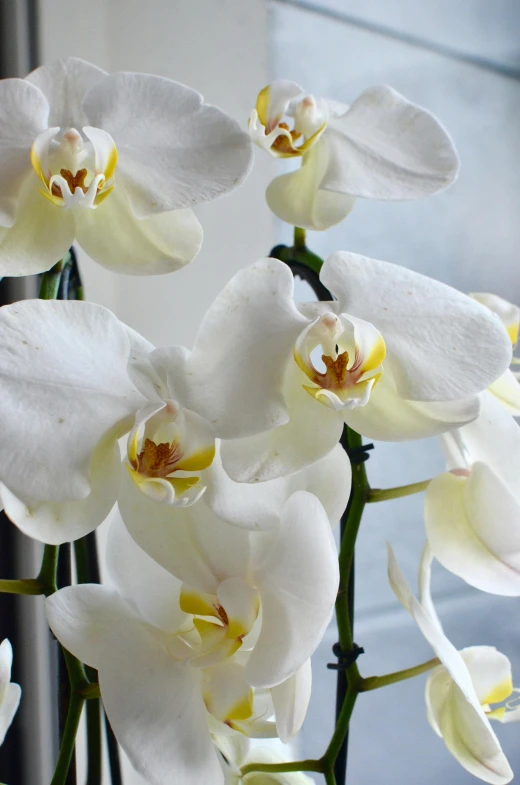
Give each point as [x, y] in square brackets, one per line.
[258, 506]
[64, 84]
[117, 240]
[298, 198]
[179, 153]
[144, 584]
[312, 432]
[460, 347]
[298, 583]
[24, 113]
[473, 528]
[9, 708]
[389, 417]
[155, 708]
[490, 672]
[385, 147]
[507, 390]
[190, 543]
[58, 522]
[67, 407]
[82, 616]
[291, 700]
[40, 237]
[252, 325]
[494, 439]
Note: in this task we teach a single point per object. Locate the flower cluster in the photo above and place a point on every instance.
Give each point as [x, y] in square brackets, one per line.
[221, 467]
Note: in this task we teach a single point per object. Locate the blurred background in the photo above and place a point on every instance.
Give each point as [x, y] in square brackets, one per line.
[461, 60]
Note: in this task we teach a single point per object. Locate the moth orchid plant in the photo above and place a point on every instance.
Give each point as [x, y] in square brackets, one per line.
[220, 471]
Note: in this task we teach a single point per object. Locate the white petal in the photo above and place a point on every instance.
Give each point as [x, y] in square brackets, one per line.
[507, 390]
[149, 588]
[59, 522]
[41, 235]
[155, 708]
[473, 528]
[6, 662]
[298, 583]
[445, 345]
[116, 239]
[494, 439]
[389, 417]
[385, 147]
[291, 700]
[313, 431]
[174, 150]
[23, 115]
[82, 616]
[508, 313]
[466, 732]
[237, 367]
[191, 543]
[64, 385]
[298, 197]
[490, 672]
[273, 101]
[259, 505]
[8, 708]
[64, 84]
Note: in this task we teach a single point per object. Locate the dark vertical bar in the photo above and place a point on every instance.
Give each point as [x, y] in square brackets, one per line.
[19, 754]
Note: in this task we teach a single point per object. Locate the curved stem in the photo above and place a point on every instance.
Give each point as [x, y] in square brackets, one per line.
[298, 765]
[299, 237]
[375, 682]
[382, 494]
[68, 740]
[25, 586]
[342, 724]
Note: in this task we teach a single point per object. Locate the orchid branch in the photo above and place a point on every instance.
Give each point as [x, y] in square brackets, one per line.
[375, 682]
[382, 494]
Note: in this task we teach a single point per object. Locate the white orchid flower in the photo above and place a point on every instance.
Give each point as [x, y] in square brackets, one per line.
[168, 678]
[472, 512]
[248, 574]
[403, 357]
[459, 691]
[10, 693]
[507, 387]
[115, 162]
[381, 147]
[74, 380]
[238, 752]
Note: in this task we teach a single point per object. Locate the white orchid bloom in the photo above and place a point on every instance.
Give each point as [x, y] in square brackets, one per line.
[472, 512]
[381, 147]
[459, 691]
[114, 161]
[248, 574]
[403, 357]
[238, 752]
[74, 380]
[10, 693]
[507, 388]
[169, 678]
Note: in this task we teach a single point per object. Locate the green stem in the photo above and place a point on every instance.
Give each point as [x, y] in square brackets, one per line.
[375, 682]
[49, 568]
[354, 680]
[93, 709]
[298, 765]
[25, 586]
[68, 740]
[298, 253]
[382, 494]
[50, 282]
[299, 237]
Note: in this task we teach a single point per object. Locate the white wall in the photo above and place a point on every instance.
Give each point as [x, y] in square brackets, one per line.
[218, 47]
